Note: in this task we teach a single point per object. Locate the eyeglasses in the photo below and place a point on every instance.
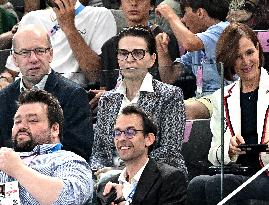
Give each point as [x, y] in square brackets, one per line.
[137, 54]
[129, 132]
[27, 53]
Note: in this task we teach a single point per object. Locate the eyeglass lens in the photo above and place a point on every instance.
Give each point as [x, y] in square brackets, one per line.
[128, 132]
[137, 54]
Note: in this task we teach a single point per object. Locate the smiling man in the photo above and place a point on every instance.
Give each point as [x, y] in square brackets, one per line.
[143, 181]
[33, 57]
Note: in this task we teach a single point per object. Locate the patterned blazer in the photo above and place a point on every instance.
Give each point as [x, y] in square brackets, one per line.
[165, 104]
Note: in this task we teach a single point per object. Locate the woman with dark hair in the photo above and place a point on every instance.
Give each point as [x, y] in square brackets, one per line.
[136, 53]
[246, 109]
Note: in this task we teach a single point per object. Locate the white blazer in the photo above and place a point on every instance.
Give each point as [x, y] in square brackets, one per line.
[232, 119]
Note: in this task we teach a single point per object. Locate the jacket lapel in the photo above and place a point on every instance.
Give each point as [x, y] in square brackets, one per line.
[146, 181]
[231, 108]
[262, 106]
[52, 82]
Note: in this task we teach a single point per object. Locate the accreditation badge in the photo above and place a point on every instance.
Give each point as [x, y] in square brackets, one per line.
[9, 193]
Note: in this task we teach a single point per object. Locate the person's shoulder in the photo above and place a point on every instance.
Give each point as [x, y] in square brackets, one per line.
[110, 43]
[167, 171]
[219, 26]
[65, 156]
[37, 13]
[109, 94]
[10, 89]
[94, 10]
[65, 82]
[166, 89]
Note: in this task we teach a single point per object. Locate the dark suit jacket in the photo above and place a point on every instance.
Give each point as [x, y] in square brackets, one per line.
[78, 131]
[159, 184]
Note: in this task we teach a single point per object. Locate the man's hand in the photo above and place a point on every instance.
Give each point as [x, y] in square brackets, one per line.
[94, 101]
[234, 142]
[65, 14]
[162, 41]
[102, 171]
[118, 188]
[10, 161]
[165, 11]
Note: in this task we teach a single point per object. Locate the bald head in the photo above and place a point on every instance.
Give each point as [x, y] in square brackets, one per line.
[25, 32]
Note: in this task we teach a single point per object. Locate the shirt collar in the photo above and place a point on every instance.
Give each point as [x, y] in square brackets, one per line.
[146, 85]
[40, 85]
[135, 179]
[42, 149]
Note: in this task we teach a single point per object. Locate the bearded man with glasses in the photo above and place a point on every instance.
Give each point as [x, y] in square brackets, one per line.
[33, 56]
[136, 55]
[143, 181]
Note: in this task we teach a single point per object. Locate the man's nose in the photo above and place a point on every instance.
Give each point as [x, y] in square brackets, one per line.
[33, 56]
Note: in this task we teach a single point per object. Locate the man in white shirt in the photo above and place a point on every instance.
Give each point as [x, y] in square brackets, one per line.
[143, 181]
[77, 34]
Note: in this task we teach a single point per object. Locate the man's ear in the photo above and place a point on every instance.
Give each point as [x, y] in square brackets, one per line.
[150, 139]
[55, 131]
[51, 55]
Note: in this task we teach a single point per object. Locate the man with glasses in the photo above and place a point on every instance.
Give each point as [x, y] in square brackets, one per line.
[77, 34]
[33, 56]
[142, 181]
[136, 53]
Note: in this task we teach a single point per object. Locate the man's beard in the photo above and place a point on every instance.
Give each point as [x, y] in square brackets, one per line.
[25, 146]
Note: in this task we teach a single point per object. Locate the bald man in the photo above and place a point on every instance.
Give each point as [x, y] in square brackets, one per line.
[33, 56]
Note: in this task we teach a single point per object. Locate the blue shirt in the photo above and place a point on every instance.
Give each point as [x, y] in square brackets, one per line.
[206, 58]
[71, 168]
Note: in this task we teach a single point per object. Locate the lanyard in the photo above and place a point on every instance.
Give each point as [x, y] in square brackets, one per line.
[129, 198]
[56, 27]
[29, 157]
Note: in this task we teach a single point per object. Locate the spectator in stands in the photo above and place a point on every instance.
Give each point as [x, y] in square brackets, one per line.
[204, 22]
[33, 57]
[46, 174]
[77, 35]
[152, 183]
[135, 13]
[246, 108]
[5, 78]
[8, 21]
[136, 54]
[253, 13]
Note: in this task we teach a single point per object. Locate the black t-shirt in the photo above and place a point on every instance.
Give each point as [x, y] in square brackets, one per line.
[248, 104]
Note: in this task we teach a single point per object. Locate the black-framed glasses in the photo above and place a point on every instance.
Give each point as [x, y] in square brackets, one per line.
[129, 132]
[137, 54]
[26, 53]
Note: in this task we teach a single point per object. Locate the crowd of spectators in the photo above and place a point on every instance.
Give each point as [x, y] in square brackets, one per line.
[99, 57]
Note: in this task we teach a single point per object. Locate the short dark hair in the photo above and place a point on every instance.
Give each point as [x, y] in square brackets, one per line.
[54, 112]
[217, 9]
[228, 46]
[148, 123]
[139, 31]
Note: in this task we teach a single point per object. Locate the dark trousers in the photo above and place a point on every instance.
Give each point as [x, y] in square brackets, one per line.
[205, 190]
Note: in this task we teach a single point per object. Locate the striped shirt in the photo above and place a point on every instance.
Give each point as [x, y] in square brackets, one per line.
[71, 168]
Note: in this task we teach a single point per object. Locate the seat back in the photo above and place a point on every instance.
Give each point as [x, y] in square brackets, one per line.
[197, 140]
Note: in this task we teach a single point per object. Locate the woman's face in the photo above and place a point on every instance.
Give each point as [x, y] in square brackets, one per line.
[247, 61]
[134, 65]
